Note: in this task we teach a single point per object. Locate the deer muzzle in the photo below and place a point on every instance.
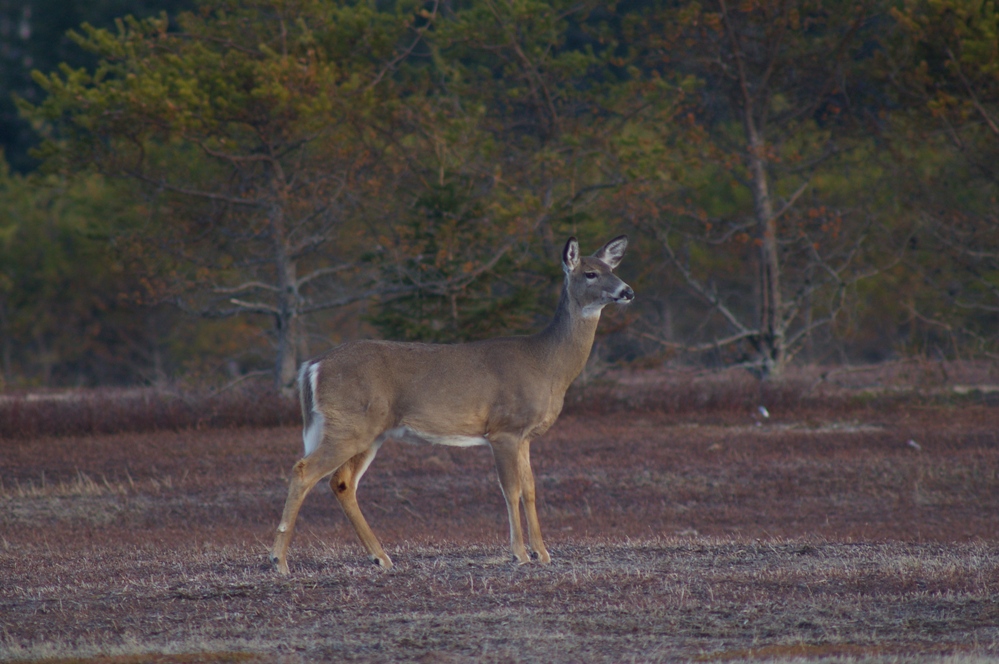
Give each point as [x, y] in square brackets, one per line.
[625, 296]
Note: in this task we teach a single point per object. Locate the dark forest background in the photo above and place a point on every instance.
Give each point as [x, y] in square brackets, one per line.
[206, 191]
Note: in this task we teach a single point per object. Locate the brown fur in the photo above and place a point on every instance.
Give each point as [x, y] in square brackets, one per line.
[502, 392]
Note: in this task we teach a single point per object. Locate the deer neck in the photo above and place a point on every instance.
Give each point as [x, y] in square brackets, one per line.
[564, 345]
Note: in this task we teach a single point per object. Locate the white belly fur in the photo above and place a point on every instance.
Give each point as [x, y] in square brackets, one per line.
[409, 435]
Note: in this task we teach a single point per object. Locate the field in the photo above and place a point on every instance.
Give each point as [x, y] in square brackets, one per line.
[683, 525]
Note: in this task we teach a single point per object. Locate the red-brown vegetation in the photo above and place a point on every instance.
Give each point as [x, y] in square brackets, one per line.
[862, 527]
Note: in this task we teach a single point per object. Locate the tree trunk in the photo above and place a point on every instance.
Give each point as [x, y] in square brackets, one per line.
[770, 341]
[771, 344]
[286, 321]
[288, 324]
[6, 369]
[286, 360]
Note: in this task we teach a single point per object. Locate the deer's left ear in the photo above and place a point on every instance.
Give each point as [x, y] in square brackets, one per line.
[570, 255]
[612, 252]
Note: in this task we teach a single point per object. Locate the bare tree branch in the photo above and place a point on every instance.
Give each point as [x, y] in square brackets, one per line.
[989, 120]
[229, 44]
[698, 287]
[255, 307]
[357, 297]
[390, 66]
[790, 201]
[250, 285]
[195, 193]
[323, 272]
[702, 347]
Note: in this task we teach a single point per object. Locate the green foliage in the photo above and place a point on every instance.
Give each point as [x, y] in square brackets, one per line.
[33, 36]
[235, 76]
[59, 278]
[80, 301]
[514, 59]
[750, 161]
[952, 49]
[945, 56]
[273, 160]
[254, 130]
[466, 282]
[503, 152]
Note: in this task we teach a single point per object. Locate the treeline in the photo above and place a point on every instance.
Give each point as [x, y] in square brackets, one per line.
[227, 190]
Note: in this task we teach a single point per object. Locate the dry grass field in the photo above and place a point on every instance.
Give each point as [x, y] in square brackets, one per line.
[685, 528]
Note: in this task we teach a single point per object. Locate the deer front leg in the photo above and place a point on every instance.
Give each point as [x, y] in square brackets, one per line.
[506, 453]
[527, 487]
[344, 484]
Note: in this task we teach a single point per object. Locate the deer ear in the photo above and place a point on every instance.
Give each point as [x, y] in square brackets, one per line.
[612, 252]
[570, 255]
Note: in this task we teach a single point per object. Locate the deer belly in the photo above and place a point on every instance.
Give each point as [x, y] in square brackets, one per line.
[410, 435]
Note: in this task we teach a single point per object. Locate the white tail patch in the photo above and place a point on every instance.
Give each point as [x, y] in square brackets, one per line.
[314, 380]
[312, 434]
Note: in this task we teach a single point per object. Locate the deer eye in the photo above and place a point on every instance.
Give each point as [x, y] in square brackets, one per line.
[591, 275]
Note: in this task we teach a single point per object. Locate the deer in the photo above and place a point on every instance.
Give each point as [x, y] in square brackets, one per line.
[502, 392]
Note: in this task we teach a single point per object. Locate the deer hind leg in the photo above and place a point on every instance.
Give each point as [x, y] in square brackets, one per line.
[305, 474]
[507, 458]
[344, 484]
[527, 487]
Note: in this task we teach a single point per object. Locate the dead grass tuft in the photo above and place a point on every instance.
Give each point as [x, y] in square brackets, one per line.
[81, 485]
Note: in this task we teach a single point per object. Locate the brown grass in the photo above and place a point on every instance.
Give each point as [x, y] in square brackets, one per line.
[847, 533]
[102, 411]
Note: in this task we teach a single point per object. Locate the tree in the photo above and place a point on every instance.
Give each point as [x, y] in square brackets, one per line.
[944, 64]
[253, 130]
[505, 149]
[61, 320]
[458, 260]
[33, 36]
[73, 308]
[459, 245]
[749, 145]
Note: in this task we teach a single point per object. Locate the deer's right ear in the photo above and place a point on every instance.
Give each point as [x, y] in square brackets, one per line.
[570, 255]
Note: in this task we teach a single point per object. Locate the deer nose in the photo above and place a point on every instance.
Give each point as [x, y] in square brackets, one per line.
[627, 294]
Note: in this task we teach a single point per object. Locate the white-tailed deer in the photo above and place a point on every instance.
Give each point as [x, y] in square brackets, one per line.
[498, 392]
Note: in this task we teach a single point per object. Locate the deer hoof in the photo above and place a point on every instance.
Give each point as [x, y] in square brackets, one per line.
[541, 556]
[384, 563]
[280, 566]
